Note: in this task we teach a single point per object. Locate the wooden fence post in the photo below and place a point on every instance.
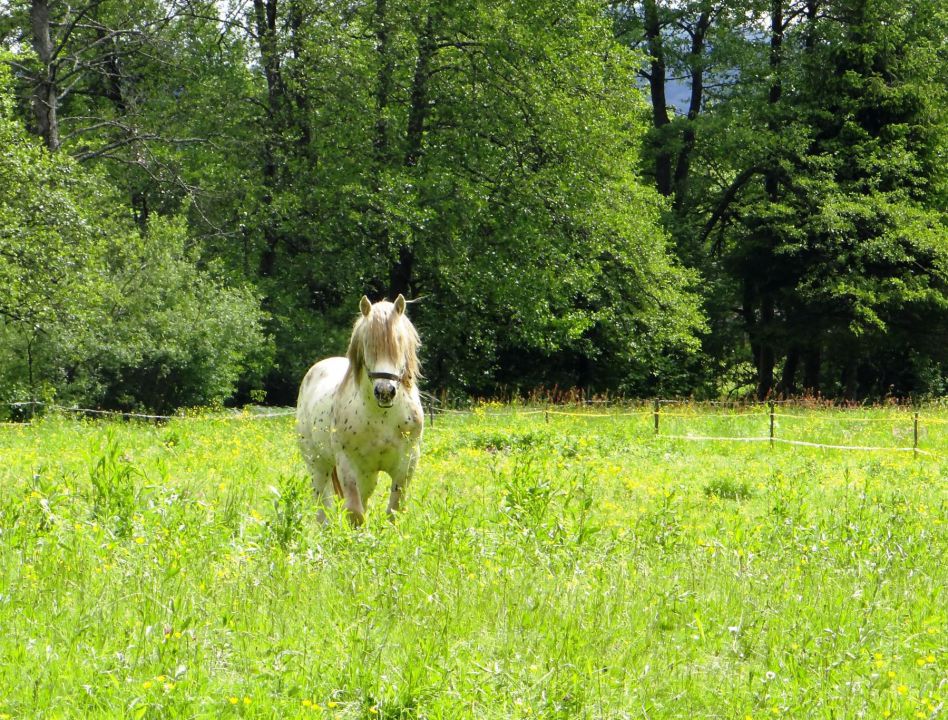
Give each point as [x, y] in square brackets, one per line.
[915, 435]
[771, 423]
[655, 407]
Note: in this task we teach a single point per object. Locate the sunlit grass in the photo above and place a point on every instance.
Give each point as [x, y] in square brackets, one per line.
[556, 566]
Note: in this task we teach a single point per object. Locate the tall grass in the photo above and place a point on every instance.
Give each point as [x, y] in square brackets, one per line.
[578, 567]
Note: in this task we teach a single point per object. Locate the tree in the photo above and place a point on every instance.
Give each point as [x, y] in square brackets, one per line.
[460, 154]
[832, 219]
[96, 310]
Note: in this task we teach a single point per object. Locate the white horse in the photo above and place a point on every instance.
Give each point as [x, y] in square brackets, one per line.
[362, 414]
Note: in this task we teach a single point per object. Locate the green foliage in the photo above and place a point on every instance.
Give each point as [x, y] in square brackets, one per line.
[170, 334]
[493, 161]
[289, 496]
[513, 214]
[112, 480]
[864, 256]
[478, 156]
[810, 189]
[98, 311]
[728, 488]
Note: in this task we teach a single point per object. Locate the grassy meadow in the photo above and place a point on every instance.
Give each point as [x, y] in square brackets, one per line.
[570, 565]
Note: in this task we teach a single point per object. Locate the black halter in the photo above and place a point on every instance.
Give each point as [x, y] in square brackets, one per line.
[385, 376]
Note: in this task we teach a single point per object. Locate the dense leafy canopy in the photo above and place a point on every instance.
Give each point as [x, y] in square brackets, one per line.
[95, 309]
[808, 185]
[781, 201]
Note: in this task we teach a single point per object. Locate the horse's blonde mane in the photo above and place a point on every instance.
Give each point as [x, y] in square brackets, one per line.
[391, 335]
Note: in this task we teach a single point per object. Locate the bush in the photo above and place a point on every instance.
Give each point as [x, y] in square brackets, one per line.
[168, 334]
[94, 310]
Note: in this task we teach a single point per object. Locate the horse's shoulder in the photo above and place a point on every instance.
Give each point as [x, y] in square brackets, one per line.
[322, 379]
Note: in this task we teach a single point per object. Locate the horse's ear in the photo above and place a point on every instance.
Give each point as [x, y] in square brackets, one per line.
[365, 306]
[400, 304]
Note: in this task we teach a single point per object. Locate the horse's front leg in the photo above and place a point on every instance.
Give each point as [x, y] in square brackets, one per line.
[401, 477]
[348, 475]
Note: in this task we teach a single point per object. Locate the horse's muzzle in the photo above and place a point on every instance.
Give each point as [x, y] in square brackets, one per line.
[385, 393]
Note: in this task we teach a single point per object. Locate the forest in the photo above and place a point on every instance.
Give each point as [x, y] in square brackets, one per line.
[692, 198]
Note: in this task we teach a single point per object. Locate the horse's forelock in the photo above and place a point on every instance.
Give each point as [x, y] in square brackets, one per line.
[391, 336]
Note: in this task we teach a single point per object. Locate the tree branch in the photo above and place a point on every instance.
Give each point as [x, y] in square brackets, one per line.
[727, 198]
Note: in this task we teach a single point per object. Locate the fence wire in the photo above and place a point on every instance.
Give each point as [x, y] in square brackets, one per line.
[234, 415]
[910, 421]
[657, 411]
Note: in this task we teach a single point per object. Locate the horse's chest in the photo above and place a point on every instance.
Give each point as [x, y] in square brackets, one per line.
[380, 440]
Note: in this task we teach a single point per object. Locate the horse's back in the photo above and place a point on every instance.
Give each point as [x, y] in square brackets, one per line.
[314, 410]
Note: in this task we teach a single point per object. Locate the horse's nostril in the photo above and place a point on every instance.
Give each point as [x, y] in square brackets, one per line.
[385, 392]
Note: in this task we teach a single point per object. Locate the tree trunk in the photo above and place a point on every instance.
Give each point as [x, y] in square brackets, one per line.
[766, 357]
[401, 274]
[787, 385]
[418, 110]
[300, 98]
[45, 98]
[758, 314]
[776, 84]
[383, 83]
[265, 16]
[812, 10]
[656, 82]
[400, 278]
[688, 137]
[750, 319]
[812, 360]
[850, 378]
[381, 146]
[141, 209]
